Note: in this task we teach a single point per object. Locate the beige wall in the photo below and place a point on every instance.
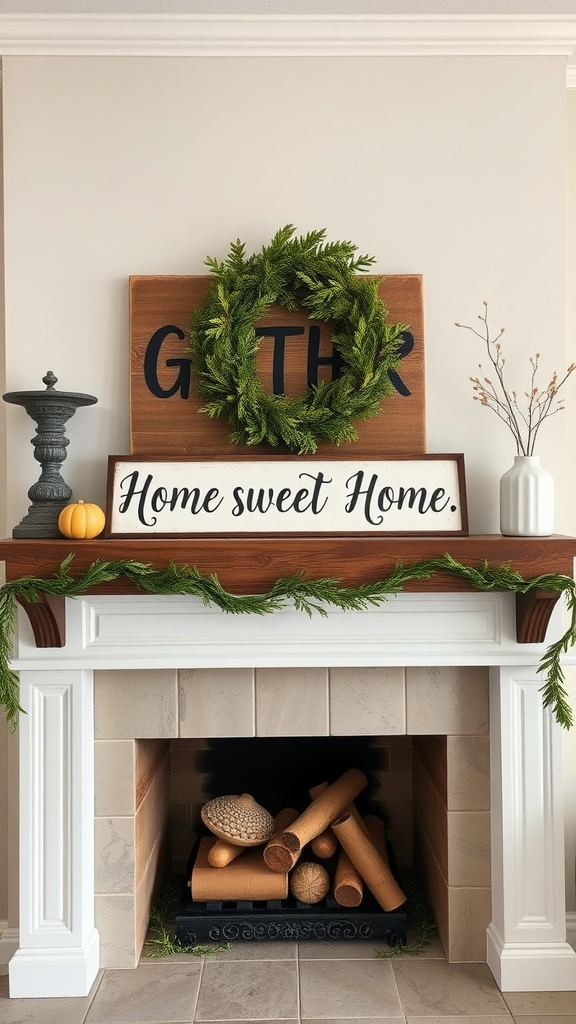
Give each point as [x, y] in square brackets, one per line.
[453, 168]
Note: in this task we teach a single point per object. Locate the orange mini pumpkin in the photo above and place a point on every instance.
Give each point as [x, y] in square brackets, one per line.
[81, 520]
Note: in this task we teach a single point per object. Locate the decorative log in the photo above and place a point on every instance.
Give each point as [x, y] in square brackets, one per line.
[348, 885]
[377, 832]
[246, 878]
[369, 863]
[351, 809]
[309, 882]
[284, 819]
[325, 845]
[283, 850]
[223, 853]
[315, 791]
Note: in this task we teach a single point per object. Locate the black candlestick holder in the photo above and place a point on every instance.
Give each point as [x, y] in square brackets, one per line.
[51, 409]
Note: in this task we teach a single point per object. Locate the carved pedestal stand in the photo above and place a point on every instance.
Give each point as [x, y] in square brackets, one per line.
[51, 410]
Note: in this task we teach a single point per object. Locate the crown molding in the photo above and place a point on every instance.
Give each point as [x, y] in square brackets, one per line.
[286, 35]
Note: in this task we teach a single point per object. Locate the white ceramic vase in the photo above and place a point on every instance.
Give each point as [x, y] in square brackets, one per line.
[527, 499]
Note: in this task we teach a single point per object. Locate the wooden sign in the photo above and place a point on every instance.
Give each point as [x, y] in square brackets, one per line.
[184, 497]
[294, 352]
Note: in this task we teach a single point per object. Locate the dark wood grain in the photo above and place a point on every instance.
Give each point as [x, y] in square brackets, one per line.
[533, 611]
[47, 616]
[253, 564]
[174, 426]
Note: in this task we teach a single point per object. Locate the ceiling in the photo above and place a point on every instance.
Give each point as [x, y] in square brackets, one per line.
[295, 7]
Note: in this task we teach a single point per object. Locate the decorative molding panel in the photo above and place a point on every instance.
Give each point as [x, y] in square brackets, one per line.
[286, 35]
[180, 632]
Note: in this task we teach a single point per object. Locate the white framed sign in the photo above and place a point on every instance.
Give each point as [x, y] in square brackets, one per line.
[165, 497]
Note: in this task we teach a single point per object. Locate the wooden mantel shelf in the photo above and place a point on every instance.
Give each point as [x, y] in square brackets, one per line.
[252, 564]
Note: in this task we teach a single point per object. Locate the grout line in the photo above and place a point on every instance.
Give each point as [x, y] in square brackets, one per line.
[195, 1007]
[93, 993]
[298, 992]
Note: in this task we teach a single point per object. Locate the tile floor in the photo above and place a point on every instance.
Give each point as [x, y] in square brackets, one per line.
[339, 983]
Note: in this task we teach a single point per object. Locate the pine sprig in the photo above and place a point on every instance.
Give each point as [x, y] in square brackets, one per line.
[293, 271]
[309, 596]
[161, 941]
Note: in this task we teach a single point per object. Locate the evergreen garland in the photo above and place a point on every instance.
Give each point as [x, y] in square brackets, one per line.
[293, 271]
[306, 595]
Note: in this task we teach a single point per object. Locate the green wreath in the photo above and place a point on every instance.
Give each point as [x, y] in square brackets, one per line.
[293, 272]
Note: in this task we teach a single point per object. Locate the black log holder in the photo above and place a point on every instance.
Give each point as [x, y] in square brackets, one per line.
[286, 920]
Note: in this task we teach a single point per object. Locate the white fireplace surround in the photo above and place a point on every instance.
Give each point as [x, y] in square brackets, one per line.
[58, 952]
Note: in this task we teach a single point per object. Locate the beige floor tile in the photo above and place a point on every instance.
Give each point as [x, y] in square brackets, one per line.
[357, 1020]
[530, 1003]
[332, 989]
[163, 993]
[365, 950]
[44, 1011]
[353, 950]
[259, 951]
[499, 1019]
[437, 988]
[263, 990]
[547, 1018]
[237, 951]
[433, 951]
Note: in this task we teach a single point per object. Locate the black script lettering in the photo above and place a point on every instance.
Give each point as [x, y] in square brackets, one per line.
[409, 495]
[357, 493]
[133, 480]
[386, 497]
[237, 493]
[319, 481]
[151, 356]
[256, 500]
[284, 495]
[253, 502]
[160, 498]
[184, 496]
[285, 500]
[437, 496]
[279, 334]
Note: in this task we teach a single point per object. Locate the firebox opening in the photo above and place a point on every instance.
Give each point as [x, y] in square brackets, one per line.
[279, 772]
[430, 791]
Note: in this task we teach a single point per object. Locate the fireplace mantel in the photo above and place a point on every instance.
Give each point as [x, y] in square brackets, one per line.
[253, 564]
[58, 951]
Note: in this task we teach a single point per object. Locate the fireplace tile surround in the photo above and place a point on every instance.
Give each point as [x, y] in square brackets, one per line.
[424, 639]
[132, 775]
